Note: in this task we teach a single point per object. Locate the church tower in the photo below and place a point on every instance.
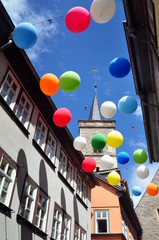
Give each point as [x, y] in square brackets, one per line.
[96, 124]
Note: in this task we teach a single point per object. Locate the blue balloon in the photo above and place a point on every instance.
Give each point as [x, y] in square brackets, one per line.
[119, 67]
[123, 157]
[127, 104]
[136, 191]
[25, 35]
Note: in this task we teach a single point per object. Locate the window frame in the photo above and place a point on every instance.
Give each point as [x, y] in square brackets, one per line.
[32, 217]
[41, 145]
[61, 228]
[52, 159]
[79, 191]
[26, 124]
[6, 178]
[96, 220]
[80, 231]
[17, 91]
[84, 196]
[63, 164]
[70, 180]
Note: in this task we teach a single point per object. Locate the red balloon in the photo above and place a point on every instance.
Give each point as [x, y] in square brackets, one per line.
[62, 117]
[89, 164]
[77, 19]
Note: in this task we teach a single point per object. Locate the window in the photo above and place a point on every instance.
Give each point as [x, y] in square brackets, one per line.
[83, 234]
[124, 229]
[130, 235]
[70, 171]
[23, 111]
[63, 163]
[101, 221]
[61, 225]
[84, 193]
[7, 178]
[41, 210]
[97, 151]
[34, 202]
[57, 224]
[79, 233]
[10, 89]
[79, 185]
[66, 228]
[50, 147]
[28, 201]
[40, 133]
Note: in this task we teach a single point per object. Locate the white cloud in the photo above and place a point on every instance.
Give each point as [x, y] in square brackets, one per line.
[138, 113]
[126, 93]
[139, 144]
[23, 11]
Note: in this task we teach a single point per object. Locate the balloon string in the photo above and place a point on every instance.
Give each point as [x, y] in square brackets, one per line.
[50, 20]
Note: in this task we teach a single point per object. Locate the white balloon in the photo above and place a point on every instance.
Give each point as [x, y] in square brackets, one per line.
[142, 172]
[102, 11]
[108, 109]
[107, 162]
[79, 143]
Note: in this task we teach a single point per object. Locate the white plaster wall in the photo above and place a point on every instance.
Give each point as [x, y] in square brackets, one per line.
[12, 140]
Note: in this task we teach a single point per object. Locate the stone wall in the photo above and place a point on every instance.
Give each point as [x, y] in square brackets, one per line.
[87, 129]
[147, 211]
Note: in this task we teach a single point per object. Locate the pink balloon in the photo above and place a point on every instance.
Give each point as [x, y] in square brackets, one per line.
[89, 164]
[62, 117]
[77, 19]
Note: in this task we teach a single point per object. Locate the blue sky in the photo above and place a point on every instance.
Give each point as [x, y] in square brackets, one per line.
[58, 50]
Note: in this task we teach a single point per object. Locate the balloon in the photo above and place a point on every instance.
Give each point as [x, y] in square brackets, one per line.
[102, 11]
[136, 191]
[62, 117]
[49, 84]
[98, 141]
[114, 139]
[123, 157]
[69, 81]
[107, 162]
[25, 35]
[119, 67]
[77, 19]
[142, 172]
[113, 178]
[89, 164]
[152, 189]
[108, 109]
[79, 143]
[127, 104]
[140, 156]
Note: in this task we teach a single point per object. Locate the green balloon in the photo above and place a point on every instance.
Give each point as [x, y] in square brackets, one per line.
[140, 156]
[69, 81]
[98, 141]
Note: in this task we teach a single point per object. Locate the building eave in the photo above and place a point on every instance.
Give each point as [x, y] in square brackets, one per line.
[141, 48]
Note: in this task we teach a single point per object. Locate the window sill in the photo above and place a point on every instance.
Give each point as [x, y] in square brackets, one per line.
[65, 181]
[5, 210]
[81, 201]
[34, 229]
[42, 153]
[14, 117]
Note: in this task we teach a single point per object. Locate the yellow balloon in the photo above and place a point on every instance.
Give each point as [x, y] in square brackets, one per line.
[114, 139]
[113, 178]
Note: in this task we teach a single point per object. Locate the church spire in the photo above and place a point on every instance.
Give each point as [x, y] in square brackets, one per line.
[95, 108]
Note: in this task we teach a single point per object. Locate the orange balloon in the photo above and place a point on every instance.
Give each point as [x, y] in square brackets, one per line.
[152, 189]
[49, 84]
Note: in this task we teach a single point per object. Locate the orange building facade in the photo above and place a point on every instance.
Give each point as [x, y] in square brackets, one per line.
[112, 214]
